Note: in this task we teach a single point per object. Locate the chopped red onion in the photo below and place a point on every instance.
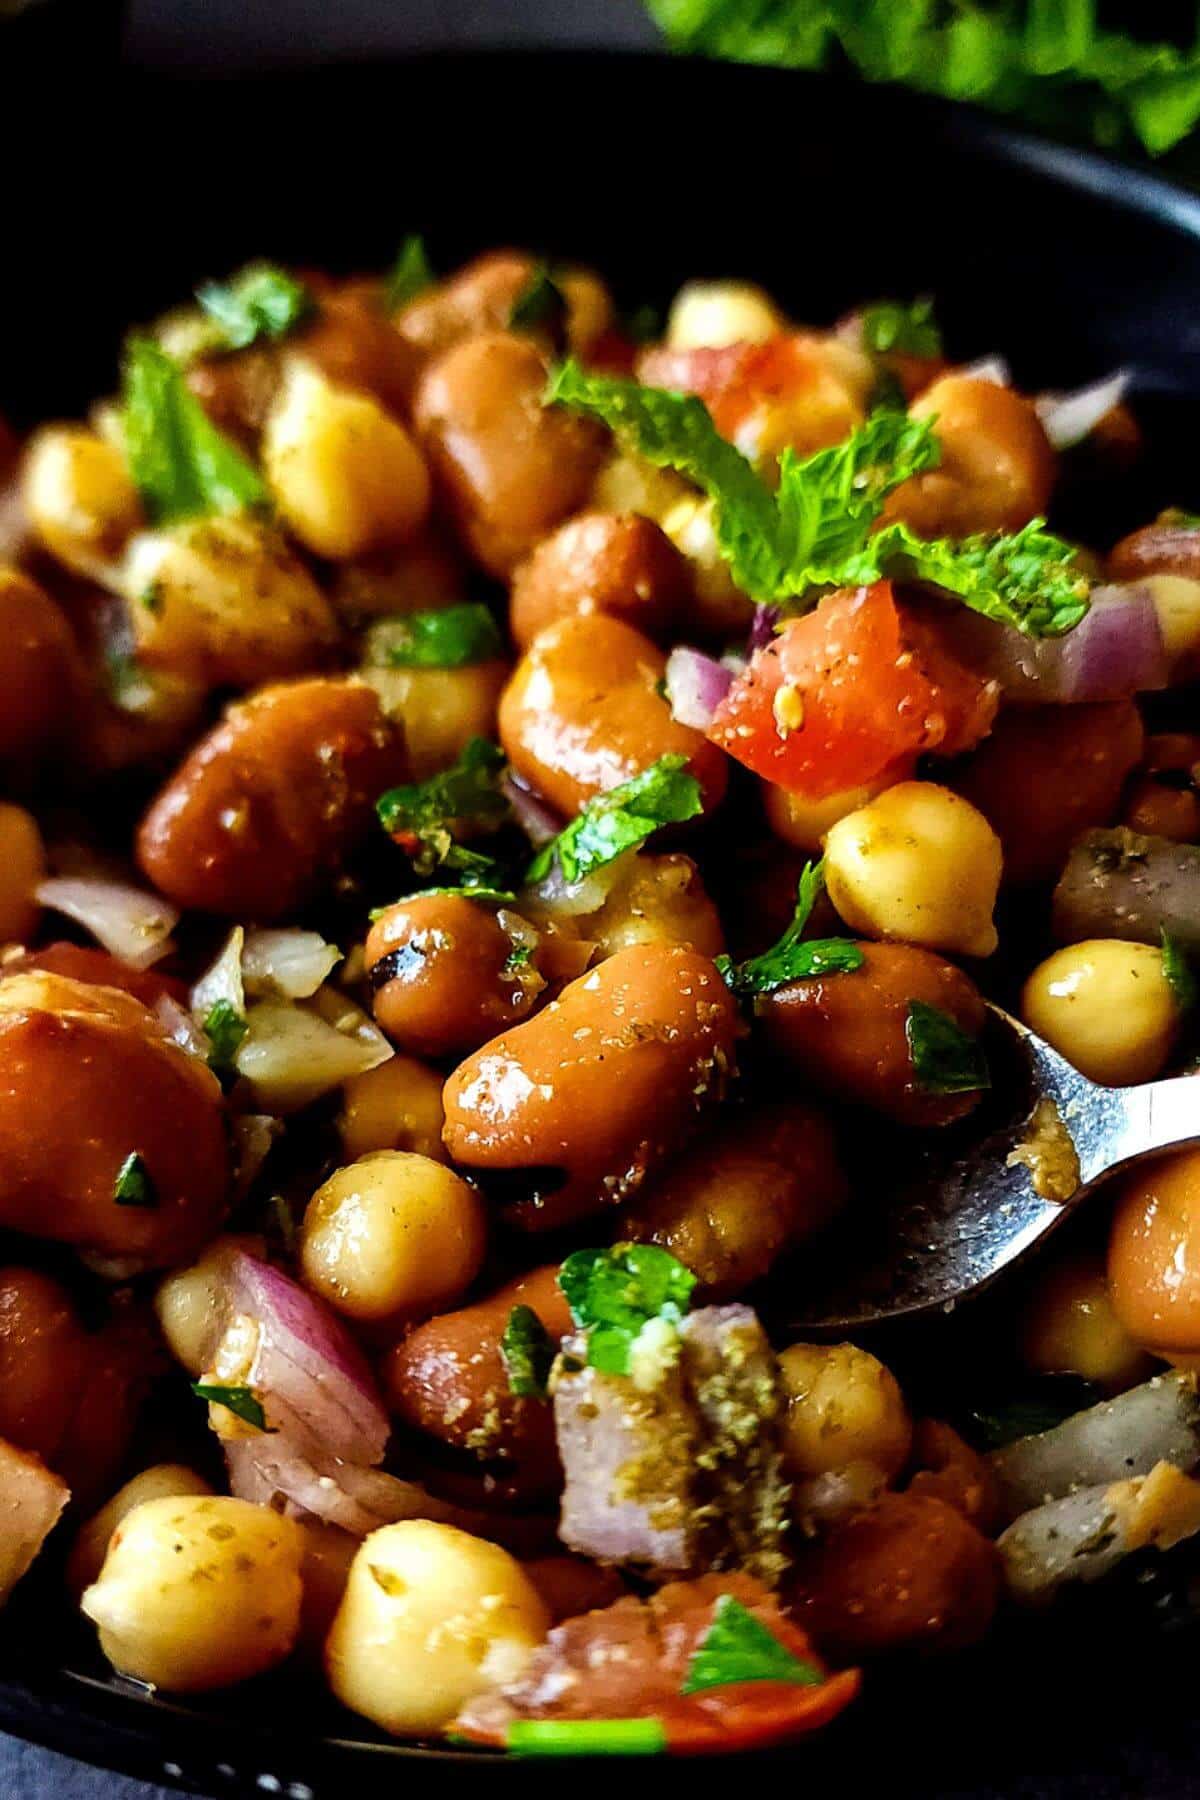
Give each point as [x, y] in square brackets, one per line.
[538, 821]
[762, 628]
[1068, 418]
[1117, 649]
[696, 685]
[270, 1471]
[180, 1027]
[131, 924]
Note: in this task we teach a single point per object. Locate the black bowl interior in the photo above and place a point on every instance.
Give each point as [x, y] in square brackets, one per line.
[128, 192]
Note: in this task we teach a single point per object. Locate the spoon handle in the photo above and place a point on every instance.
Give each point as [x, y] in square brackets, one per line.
[1161, 1115]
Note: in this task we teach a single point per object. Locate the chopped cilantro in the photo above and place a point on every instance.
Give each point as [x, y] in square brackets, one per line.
[587, 1737]
[739, 1647]
[409, 275]
[613, 1293]
[224, 1027]
[448, 639]
[134, 1185]
[906, 329]
[422, 815]
[519, 957]
[664, 794]
[263, 301]
[1178, 971]
[944, 1059]
[241, 1401]
[183, 467]
[528, 1351]
[794, 957]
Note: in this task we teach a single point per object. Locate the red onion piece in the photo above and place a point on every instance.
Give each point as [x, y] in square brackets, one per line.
[1117, 649]
[269, 1470]
[314, 1383]
[538, 821]
[1068, 418]
[181, 1028]
[762, 628]
[133, 925]
[696, 685]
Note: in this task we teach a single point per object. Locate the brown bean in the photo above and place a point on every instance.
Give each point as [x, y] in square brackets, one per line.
[355, 345]
[1048, 773]
[442, 973]
[237, 391]
[570, 1585]
[583, 713]
[99, 1059]
[447, 1378]
[618, 563]
[1160, 549]
[511, 468]
[909, 1573]
[38, 672]
[271, 802]
[751, 1188]
[479, 298]
[997, 468]
[847, 1033]
[597, 1089]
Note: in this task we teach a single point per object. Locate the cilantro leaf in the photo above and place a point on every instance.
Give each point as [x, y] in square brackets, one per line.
[944, 1059]
[586, 1737]
[134, 1185]
[908, 329]
[528, 1351]
[224, 1027]
[263, 301]
[540, 306]
[622, 819]
[241, 1401]
[422, 815]
[409, 275]
[794, 957]
[182, 465]
[451, 638]
[739, 1647]
[1178, 971]
[613, 1293]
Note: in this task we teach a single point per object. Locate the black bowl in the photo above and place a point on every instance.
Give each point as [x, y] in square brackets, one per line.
[122, 194]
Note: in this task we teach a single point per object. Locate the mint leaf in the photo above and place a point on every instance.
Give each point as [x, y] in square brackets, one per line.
[613, 1293]
[944, 1059]
[794, 957]
[134, 1186]
[622, 819]
[409, 275]
[422, 815]
[1029, 579]
[739, 1647]
[1178, 971]
[183, 467]
[240, 1401]
[263, 301]
[451, 638]
[528, 1351]
[892, 326]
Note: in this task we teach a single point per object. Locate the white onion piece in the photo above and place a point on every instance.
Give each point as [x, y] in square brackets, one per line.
[1117, 649]
[988, 368]
[31, 1501]
[253, 1134]
[1068, 418]
[270, 1471]
[292, 1054]
[696, 685]
[131, 924]
[180, 1027]
[288, 963]
[222, 980]
[539, 822]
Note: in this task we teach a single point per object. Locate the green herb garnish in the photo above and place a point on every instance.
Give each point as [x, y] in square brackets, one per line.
[1044, 1406]
[614, 1293]
[817, 529]
[622, 819]
[541, 306]
[528, 1351]
[224, 1027]
[944, 1059]
[422, 815]
[183, 467]
[240, 1401]
[134, 1185]
[409, 275]
[1178, 971]
[739, 1647]
[263, 301]
[586, 1737]
[451, 638]
[794, 957]
[519, 957]
[908, 330]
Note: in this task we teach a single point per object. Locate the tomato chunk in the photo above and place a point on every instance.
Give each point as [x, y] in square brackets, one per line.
[795, 389]
[631, 1661]
[847, 691]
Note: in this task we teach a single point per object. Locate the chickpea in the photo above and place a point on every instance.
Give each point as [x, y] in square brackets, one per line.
[582, 714]
[439, 711]
[909, 1573]
[431, 1616]
[843, 1408]
[223, 601]
[512, 469]
[22, 866]
[98, 1057]
[1107, 1007]
[705, 315]
[598, 1087]
[397, 1106]
[656, 900]
[446, 973]
[447, 1379]
[1048, 773]
[198, 1592]
[804, 822]
[848, 1033]
[1068, 1326]
[618, 563]
[1154, 1257]
[164, 1481]
[719, 608]
[919, 863]
[627, 483]
[1177, 607]
[997, 468]
[192, 1302]
[272, 800]
[38, 668]
[346, 476]
[393, 1236]
[42, 1351]
[79, 497]
[752, 1188]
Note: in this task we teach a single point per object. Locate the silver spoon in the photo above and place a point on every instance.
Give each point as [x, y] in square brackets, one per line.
[953, 1212]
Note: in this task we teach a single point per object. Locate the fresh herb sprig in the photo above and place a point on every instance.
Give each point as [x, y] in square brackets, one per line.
[423, 816]
[261, 301]
[794, 957]
[183, 466]
[622, 819]
[614, 1293]
[944, 1059]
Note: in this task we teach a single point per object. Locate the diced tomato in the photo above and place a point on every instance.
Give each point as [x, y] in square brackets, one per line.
[850, 689]
[81, 963]
[631, 1660]
[796, 389]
